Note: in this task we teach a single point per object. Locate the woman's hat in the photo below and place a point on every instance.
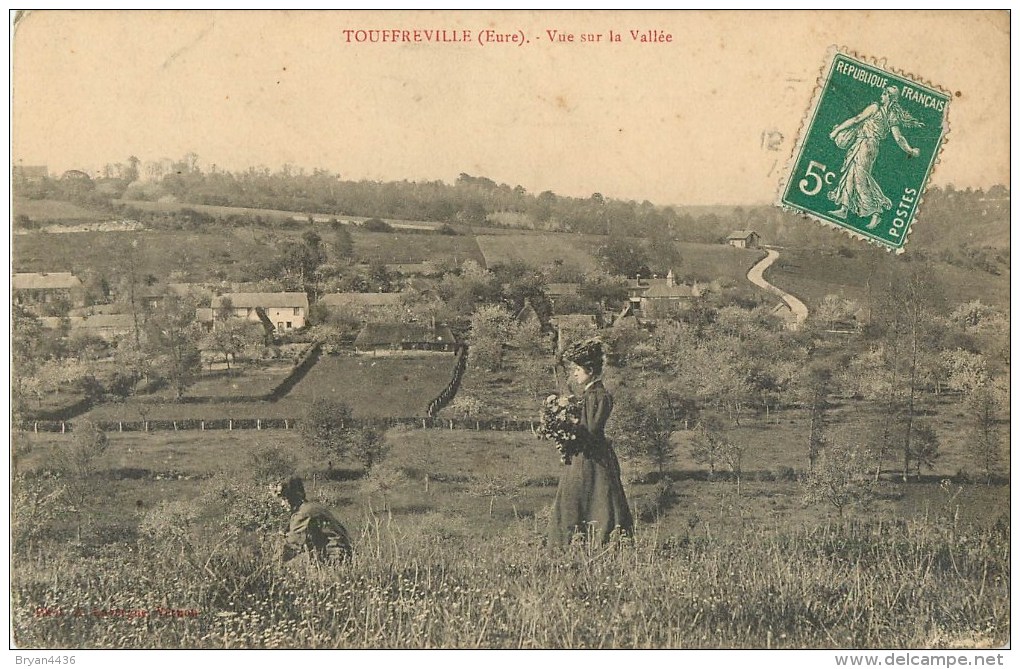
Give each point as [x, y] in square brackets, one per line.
[585, 353]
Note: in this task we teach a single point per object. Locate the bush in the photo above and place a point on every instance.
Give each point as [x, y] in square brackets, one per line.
[376, 225]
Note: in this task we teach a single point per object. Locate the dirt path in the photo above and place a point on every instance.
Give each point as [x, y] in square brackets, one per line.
[756, 275]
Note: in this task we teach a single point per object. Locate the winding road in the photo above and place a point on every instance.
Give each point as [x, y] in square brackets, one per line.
[756, 275]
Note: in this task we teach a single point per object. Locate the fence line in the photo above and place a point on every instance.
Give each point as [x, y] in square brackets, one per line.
[450, 391]
[229, 424]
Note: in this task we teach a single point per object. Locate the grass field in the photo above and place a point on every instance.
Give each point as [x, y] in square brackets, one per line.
[238, 382]
[398, 247]
[456, 560]
[193, 255]
[197, 255]
[541, 249]
[376, 386]
[373, 387]
[54, 210]
[276, 214]
[811, 274]
[705, 262]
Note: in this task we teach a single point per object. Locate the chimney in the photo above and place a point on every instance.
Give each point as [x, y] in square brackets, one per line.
[669, 279]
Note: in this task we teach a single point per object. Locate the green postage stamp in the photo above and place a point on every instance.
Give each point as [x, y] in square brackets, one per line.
[866, 150]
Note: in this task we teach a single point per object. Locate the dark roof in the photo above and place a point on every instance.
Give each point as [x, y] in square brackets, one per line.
[666, 291]
[742, 234]
[247, 300]
[388, 334]
[44, 281]
[643, 284]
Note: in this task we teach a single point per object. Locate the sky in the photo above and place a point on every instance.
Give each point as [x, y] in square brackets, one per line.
[708, 117]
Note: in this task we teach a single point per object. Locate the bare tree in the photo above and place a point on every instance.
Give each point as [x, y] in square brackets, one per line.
[78, 462]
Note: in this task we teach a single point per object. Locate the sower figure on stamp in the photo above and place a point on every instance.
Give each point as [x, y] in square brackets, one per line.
[313, 528]
[861, 135]
[590, 499]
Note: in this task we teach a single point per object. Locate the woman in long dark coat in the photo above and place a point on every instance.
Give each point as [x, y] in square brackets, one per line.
[590, 500]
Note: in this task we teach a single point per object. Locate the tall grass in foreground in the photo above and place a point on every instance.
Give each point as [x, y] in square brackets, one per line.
[424, 582]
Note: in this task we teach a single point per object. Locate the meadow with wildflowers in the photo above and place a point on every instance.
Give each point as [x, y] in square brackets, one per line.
[445, 558]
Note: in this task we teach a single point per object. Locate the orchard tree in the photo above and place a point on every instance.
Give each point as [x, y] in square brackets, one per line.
[925, 447]
[908, 320]
[235, 338]
[368, 447]
[78, 461]
[532, 361]
[842, 479]
[710, 442]
[643, 423]
[492, 328]
[171, 340]
[983, 407]
[814, 385]
[623, 257]
[26, 334]
[328, 426]
[609, 292]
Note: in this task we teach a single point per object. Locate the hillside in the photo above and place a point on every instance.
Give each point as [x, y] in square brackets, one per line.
[811, 274]
[703, 262]
[54, 210]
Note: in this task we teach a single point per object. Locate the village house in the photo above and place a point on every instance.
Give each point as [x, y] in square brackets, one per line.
[39, 288]
[744, 239]
[659, 299]
[106, 326]
[280, 311]
[153, 296]
[638, 286]
[376, 337]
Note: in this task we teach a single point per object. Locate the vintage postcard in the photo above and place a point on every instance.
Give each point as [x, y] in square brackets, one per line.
[511, 330]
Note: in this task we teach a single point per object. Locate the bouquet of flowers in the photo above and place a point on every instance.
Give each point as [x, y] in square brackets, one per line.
[560, 420]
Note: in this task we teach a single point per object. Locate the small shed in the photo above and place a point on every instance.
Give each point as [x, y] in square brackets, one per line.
[744, 239]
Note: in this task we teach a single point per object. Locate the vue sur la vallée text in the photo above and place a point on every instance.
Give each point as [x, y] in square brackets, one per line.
[491, 36]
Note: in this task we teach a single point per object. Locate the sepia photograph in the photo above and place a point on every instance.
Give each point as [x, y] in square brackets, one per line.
[511, 330]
